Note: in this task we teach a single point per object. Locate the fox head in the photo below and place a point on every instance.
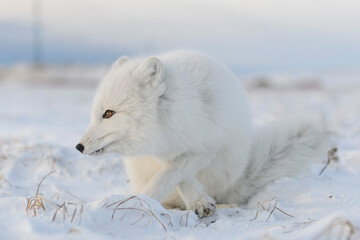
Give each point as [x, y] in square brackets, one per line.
[125, 109]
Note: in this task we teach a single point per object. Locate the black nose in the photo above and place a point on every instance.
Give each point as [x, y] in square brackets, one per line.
[80, 147]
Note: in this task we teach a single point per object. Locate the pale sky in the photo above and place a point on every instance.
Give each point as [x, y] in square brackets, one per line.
[247, 35]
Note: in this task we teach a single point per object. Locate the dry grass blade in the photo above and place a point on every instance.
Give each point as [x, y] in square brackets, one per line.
[65, 212]
[38, 188]
[73, 216]
[272, 211]
[122, 217]
[168, 217]
[202, 221]
[72, 195]
[36, 202]
[331, 157]
[148, 223]
[257, 210]
[51, 203]
[56, 211]
[284, 212]
[121, 201]
[187, 217]
[275, 226]
[80, 214]
[306, 222]
[142, 216]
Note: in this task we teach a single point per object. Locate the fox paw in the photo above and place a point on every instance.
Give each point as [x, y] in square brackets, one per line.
[204, 209]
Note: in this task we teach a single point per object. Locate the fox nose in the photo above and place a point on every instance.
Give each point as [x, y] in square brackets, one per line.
[80, 147]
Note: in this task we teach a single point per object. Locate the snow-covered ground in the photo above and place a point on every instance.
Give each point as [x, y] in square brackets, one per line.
[44, 112]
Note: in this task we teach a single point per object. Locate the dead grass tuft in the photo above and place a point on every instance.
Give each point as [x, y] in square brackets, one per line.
[36, 202]
[145, 211]
[64, 208]
[272, 206]
[70, 210]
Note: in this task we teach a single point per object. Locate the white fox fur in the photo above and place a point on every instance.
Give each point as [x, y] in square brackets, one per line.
[182, 123]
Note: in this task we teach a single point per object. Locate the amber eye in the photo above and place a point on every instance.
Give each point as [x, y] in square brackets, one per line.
[108, 114]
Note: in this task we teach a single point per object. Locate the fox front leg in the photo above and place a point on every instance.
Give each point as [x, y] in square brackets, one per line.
[166, 180]
[180, 173]
[195, 198]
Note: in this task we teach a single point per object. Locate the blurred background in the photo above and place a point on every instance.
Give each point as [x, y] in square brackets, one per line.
[252, 37]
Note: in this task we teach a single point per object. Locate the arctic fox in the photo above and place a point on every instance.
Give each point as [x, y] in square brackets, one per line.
[182, 122]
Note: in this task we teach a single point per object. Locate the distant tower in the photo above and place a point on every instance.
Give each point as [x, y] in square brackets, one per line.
[37, 47]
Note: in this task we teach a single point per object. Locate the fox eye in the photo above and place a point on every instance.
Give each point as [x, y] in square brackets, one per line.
[108, 114]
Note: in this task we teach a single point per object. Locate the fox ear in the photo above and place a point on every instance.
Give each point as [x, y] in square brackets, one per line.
[150, 71]
[119, 62]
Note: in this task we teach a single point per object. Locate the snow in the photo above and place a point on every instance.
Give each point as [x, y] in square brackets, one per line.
[43, 113]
